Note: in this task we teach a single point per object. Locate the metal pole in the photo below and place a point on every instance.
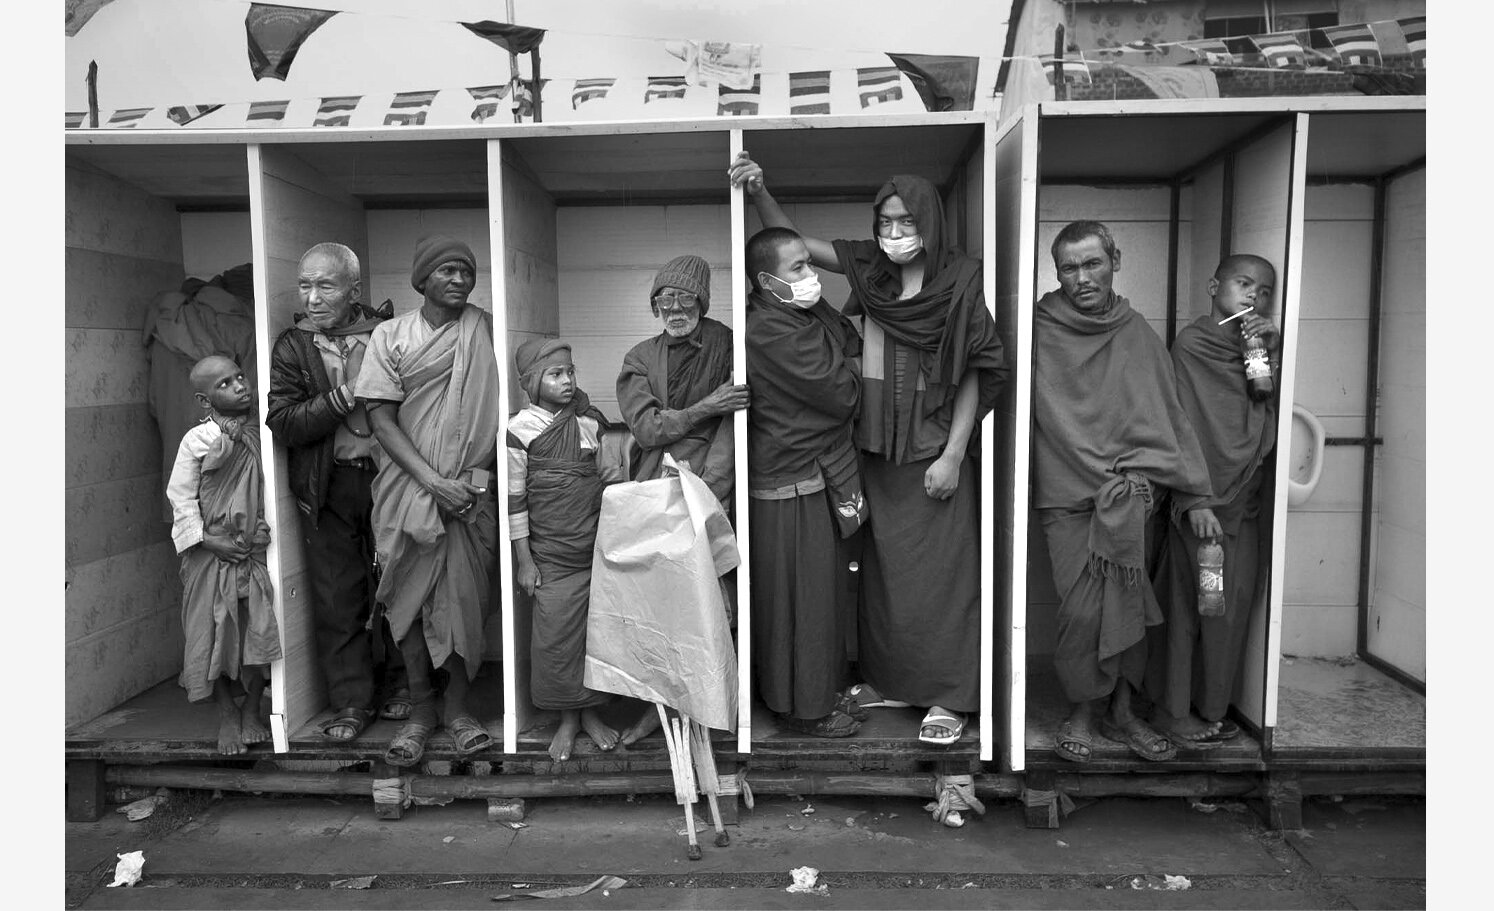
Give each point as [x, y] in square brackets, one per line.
[93, 93]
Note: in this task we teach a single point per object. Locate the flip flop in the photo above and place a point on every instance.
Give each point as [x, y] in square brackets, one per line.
[397, 707]
[949, 721]
[350, 717]
[469, 736]
[408, 745]
[868, 698]
[1141, 739]
[1067, 734]
[846, 704]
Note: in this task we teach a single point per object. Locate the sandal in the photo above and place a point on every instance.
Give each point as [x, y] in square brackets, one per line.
[835, 724]
[868, 698]
[469, 736]
[408, 745]
[1069, 739]
[846, 704]
[1142, 740]
[397, 707]
[350, 717]
[951, 722]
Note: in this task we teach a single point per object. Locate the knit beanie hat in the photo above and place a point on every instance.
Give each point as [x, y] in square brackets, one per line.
[432, 251]
[687, 273]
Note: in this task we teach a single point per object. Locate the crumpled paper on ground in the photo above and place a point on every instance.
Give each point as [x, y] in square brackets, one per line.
[606, 883]
[657, 625]
[127, 871]
[804, 881]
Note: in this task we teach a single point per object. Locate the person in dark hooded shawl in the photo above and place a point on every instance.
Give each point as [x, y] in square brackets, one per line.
[932, 366]
[1109, 438]
[554, 499]
[1191, 676]
[804, 484]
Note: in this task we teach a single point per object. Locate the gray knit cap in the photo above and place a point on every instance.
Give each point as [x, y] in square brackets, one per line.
[687, 273]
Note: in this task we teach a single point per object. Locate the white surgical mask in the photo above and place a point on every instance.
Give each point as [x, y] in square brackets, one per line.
[805, 291]
[901, 249]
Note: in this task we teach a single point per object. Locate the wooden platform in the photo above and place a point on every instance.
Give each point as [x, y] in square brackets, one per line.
[1341, 709]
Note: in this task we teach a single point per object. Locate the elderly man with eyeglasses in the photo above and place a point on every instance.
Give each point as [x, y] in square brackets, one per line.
[675, 389]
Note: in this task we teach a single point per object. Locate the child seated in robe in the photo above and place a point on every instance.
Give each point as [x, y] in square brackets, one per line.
[218, 526]
[555, 497]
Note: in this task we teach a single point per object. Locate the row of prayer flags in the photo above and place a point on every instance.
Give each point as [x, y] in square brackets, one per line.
[1356, 44]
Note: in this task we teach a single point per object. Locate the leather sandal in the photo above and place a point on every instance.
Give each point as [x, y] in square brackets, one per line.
[468, 735]
[408, 746]
[350, 717]
[835, 724]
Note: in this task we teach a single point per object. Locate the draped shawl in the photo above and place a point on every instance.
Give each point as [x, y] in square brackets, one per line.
[563, 488]
[946, 322]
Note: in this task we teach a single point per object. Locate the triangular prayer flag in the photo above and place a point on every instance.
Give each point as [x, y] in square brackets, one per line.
[879, 84]
[487, 98]
[336, 110]
[1415, 30]
[128, 117]
[809, 92]
[1283, 50]
[80, 11]
[264, 113]
[944, 83]
[409, 108]
[524, 96]
[587, 89]
[1356, 44]
[664, 87]
[739, 102]
[1210, 51]
[275, 35]
[516, 39]
[75, 119]
[185, 114]
[1075, 69]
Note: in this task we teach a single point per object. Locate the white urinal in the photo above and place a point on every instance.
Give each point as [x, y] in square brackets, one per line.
[1306, 465]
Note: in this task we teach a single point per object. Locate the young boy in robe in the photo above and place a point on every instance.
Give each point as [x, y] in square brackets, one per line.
[555, 498]
[218, 525]
[1192, 679]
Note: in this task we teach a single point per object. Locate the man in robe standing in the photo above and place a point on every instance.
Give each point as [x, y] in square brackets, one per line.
[330, 453]
[1192, 676]
[430, 384]
[676, 394]
[804, 485]
[1109, 435]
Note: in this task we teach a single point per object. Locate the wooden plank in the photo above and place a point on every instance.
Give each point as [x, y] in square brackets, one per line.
[110, 443]
[739, 426]
[104, 367]
[84, 795]
[112, 517]
[112, 290]
[105, 594]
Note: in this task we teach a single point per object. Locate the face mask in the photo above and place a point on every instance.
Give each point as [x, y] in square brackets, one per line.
[901, 249]
[806, 291]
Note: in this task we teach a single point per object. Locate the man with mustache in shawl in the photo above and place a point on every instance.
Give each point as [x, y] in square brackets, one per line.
[555, 498]
[330, 466]
[1192, 671]
[430, 384]
[676, 396]
[1109, 435]
[932, 366]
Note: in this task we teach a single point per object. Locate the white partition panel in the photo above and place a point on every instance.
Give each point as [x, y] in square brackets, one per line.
[292, 207]
[739, 419]
[1011, 202]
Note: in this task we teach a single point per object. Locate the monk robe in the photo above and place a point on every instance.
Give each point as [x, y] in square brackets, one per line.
[554, 482]
[437, 566]
[228, 613]
[919, 628]
[804, 395]
[1109, 431]
[662, 376]
[1198, 664]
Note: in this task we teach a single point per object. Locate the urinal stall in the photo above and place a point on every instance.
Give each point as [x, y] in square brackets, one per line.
[1353, 666]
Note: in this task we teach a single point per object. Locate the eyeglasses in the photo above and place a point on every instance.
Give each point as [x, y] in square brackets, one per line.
[676, 302]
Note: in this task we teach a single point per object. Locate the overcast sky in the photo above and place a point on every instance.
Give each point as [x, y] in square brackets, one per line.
[157, 53]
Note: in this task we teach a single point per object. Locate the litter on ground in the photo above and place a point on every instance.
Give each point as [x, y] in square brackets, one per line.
[605, 883]
[127, 871]
[804, 881]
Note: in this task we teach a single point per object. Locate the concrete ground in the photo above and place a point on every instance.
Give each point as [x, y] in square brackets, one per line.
[872, 853]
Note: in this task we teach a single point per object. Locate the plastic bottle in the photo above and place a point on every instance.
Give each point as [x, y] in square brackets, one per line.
[1210, 579]
[1258, 382]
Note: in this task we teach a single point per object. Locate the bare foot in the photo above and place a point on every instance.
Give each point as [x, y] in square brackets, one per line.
[603, 736]
[230, 742]
[1191, 727]
[251, 729]
[565, 736]
[646, 724]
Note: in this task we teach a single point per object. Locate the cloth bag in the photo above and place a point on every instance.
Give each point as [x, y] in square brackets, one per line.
[657, 627]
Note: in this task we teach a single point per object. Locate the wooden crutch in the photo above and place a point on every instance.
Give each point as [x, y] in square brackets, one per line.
[679, 765]
[710, 782]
